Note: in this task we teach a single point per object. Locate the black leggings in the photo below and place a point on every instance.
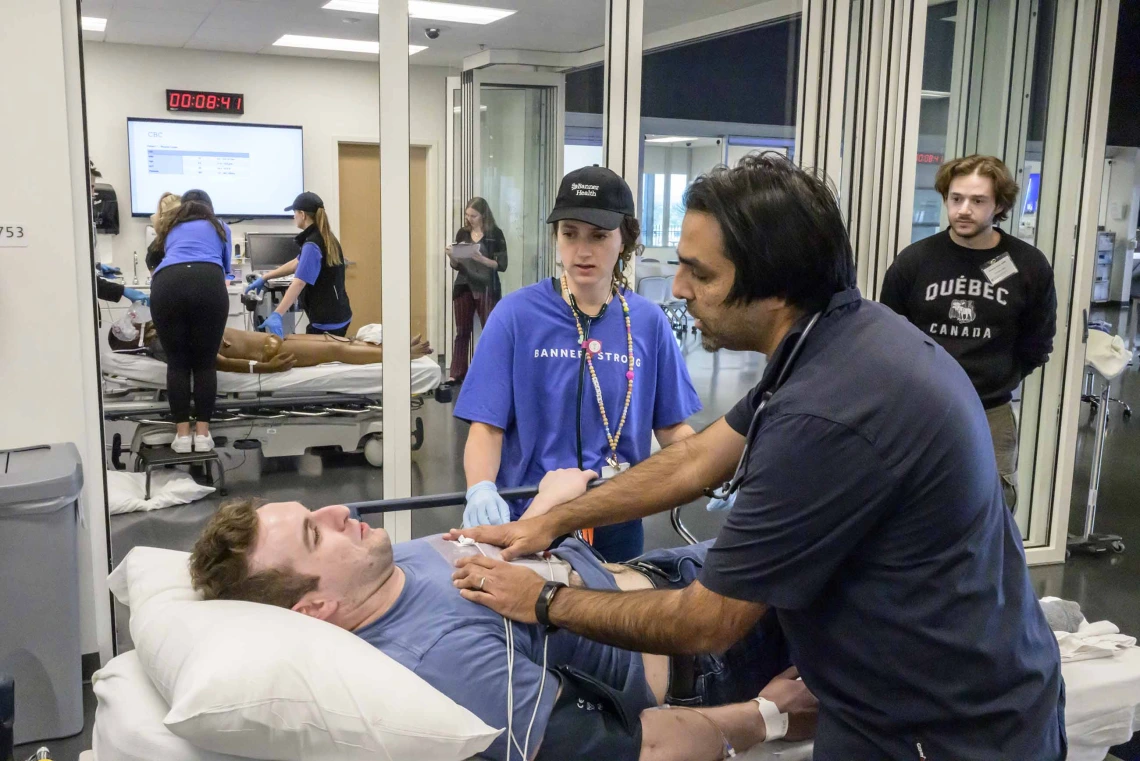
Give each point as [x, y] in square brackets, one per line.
[189, 304]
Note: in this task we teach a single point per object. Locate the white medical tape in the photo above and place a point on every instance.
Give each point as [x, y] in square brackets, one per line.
[775, 723]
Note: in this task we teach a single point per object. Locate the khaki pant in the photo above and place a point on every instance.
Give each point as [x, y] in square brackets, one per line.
[1003, 431]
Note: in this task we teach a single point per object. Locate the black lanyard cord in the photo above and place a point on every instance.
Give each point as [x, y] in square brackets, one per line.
[579, 317]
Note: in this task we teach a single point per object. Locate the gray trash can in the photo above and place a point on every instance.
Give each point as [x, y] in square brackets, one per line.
[40, 641]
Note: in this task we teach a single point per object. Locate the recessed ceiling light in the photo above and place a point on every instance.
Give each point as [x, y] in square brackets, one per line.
[334, 43]
[92, 24]
[427, 9]
[670, 139]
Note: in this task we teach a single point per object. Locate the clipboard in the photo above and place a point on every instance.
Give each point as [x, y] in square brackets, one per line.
[464, 250]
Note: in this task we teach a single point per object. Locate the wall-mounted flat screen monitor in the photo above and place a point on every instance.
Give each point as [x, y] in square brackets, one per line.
[249, 170]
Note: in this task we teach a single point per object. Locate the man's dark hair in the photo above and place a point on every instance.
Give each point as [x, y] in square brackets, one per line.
[782, 230]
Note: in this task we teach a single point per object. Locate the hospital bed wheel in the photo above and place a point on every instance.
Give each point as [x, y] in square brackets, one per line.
[374, 451]
[1127, 413]
[1118, 547]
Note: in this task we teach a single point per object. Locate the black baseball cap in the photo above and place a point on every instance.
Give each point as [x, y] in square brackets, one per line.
[595, 195]
[307, 201]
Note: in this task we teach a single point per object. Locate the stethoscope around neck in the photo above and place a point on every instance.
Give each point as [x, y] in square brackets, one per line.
[579, 317]
[726, 490]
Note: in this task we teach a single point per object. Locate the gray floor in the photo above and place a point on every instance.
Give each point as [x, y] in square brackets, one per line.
[1105, 586]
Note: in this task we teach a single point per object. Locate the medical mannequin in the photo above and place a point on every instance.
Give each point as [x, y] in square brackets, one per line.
[243, 351]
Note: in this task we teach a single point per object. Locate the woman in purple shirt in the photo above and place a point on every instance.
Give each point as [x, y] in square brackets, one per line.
[189, 304]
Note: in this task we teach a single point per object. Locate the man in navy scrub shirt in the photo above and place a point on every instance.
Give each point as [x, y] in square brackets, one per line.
[869, 511]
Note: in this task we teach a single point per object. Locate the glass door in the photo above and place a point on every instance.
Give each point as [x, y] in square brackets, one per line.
[520, 156]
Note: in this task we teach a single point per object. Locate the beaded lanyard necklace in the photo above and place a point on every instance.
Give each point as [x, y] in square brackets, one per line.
[614, 438]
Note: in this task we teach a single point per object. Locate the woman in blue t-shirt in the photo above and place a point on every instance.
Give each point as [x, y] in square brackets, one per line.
[189, 304]
[574, 371]
[318, 271]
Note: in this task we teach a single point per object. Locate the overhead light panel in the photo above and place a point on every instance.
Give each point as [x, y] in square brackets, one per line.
[335, 43]
[92, 24]
[428, 10]
[671, 139]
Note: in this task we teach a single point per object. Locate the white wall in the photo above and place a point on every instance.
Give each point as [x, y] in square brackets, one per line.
[330, 99]
[48, 377]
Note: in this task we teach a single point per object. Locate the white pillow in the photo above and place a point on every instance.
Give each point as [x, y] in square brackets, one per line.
[264, 682]
[126, 492]
[128, 721]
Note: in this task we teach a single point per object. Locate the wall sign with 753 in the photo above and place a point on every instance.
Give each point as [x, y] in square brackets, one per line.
[13, 235]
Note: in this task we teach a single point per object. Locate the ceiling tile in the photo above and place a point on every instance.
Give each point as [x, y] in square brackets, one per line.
[163, 35]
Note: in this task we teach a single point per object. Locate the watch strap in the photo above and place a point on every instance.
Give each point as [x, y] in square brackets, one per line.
[542, 604]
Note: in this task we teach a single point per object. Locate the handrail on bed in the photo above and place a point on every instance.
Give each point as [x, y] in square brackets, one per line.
[429, 501]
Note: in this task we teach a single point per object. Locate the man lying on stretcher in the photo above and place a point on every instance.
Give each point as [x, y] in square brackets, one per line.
[591, 702]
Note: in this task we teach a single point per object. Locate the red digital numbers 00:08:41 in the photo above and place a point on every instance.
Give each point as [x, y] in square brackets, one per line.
[209, 102]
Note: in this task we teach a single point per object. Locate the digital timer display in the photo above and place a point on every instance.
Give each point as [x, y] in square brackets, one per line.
[205, 102]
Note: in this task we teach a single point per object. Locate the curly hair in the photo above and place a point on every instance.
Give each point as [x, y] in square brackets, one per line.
[1005, 188]
[219, 564]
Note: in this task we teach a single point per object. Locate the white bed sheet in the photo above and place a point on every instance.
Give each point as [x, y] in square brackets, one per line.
[333, 377]
[1102, 706]
[1103, 710]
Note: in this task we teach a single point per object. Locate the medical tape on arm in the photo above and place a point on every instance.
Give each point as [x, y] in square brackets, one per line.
[775, 723]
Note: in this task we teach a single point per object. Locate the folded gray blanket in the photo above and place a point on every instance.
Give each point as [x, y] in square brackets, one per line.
[1062, 615]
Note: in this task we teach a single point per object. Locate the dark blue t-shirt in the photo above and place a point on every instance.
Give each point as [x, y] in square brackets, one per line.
[524, 379]
[871, 517]
[460, 647]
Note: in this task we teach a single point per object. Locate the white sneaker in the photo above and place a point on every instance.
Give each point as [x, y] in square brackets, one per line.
[182, 444]
[204, 443]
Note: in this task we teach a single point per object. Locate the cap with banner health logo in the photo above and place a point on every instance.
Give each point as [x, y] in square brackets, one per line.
[307, 201]
[595, 195]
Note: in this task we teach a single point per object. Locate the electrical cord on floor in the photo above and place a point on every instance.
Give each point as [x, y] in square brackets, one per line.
[248, 433]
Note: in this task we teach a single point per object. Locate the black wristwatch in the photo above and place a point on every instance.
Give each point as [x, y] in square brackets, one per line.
[542, 604]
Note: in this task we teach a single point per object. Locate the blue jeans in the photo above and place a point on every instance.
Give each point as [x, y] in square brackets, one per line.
[745, 668]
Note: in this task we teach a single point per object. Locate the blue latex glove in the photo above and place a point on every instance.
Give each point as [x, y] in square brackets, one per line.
[107, 270]
[716, 505]
[137, 297]
[485, 507]
[257, 285]
[273, 325]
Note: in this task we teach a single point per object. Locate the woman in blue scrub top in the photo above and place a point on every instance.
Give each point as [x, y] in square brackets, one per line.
[576, 370]
[318, 271]
[189, 304]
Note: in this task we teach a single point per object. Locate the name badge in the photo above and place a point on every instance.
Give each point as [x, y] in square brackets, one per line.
[997, 270]
[610, 471]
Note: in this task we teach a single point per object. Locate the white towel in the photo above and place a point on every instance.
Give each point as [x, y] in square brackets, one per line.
[372, 333]
[1100, 640]
[1106, 354]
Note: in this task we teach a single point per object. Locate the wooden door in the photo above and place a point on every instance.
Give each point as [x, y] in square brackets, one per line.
[360, 230]
[360, 199]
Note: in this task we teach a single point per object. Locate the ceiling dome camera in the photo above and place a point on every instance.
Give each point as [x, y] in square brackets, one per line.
[432, 33]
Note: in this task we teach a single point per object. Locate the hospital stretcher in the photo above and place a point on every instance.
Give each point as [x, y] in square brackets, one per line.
[1102, 708]
[333, 406]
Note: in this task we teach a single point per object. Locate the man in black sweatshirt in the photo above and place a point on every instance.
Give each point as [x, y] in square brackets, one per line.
[985, 296]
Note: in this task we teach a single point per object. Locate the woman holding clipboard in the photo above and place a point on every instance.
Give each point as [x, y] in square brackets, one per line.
[479, 255]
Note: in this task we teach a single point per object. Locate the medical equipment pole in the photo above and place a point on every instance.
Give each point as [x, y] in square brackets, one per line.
[1098, 455]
